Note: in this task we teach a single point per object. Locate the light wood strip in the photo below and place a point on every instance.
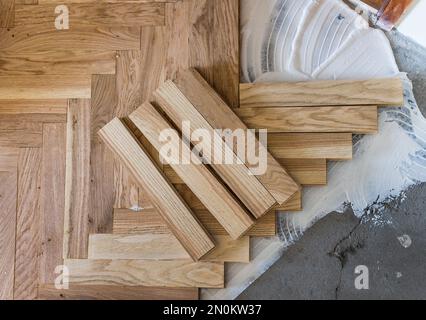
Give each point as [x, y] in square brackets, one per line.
[211, 192]
[77, 188]
[182, 274]
[322, 93]
[7, 233]
[307, 172]
[52, 200]
[33, 110]
[44, 87]
[8, 159]
[28, 2]
[28, 237]
[57, 63]
[20, 134]
[7, 13]
[180, 219]
[163, 247]
[149, 221]
[206, 101]
[46, 38]
[90, 292]
[294, 204]
[354, 119]
[98, 1]
[237, 176]
[331, 146]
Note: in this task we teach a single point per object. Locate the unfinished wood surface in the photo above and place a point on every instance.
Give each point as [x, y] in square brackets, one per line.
[237, 176]
[181, 274]
[28, 237]
[7, 13]
[94, 14]
[355, 119]
[307, 172]
[46, 38]
[163, 247]
[149, 221]
[208, 103]
[294, 204]
[97, 1]
[331, 146]
[20, 134]
[8, 199]
[322, 93]
[90, 292]
[44, 87]
[179, 217]
[52, 199]
[208, 189]
[77, 187]
[33, 110]
[57, 62]
[8, 159]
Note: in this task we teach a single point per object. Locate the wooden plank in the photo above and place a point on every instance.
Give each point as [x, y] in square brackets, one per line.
[46, 38]
[52, 199]
[294, 204]
[94, 14]
[163, 247]
[7, 233]
[77, 188]
[322, 93]
[44, 87]
[90, 292]
[57, 62]
[33, 110]
[355, 119]
[20, 134]
[148, 220]
[26, 2]
[97, 1]
[237, 176]
[227, 53]
[181, 274]
[180, 219]
[7, 13]
[8, 159]
[28, 237]
[211, 192]
[331, 146]
[208, 103]
[104, 99]
[307, 172]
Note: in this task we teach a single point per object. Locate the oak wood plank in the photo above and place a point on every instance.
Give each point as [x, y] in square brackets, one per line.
[8, 159]
[179, 217]
[211, 192]
[237, 176]
[307, 172]
[90, 292]
[322, 93]
[208, 103]
[20, 134]
[94, 14]
[33, 110]
[182, 274]
[294, 204]
[7, 13]
[98, 1]
[355, 119]
[28, 227]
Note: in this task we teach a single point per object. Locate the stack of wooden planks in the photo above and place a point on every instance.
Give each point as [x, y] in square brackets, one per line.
[65, 199]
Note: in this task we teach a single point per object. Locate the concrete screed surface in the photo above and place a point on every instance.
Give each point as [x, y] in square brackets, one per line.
[322, 264]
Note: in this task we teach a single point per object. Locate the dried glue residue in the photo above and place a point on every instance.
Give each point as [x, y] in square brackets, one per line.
[298, 40]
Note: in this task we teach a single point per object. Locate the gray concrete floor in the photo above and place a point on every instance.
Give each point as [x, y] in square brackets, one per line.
[322, 264]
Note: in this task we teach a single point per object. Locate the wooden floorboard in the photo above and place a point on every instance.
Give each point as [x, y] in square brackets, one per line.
[21, 134]
[7, 13]
[33, 110]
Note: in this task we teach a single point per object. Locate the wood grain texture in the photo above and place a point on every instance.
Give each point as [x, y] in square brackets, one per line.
[104, 100]
[8, 159]
[209, 104]
[181, 274]
[90, 292]
[163, 247]
[331, 146]
[354, 119]
[322, 93]
[57, 62]
[52, 199]
[94, 14]
[44, 87]
[211, 192]
[77, 187]
[179, 217]
[28, 227]
[7, 13]
[149, 221]
[307, 172]
[237, 176]
[46, 38]
[20, 134]
[8, 199]
[227, 53]
[33, 110]
[98, 1]
[294, 204]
